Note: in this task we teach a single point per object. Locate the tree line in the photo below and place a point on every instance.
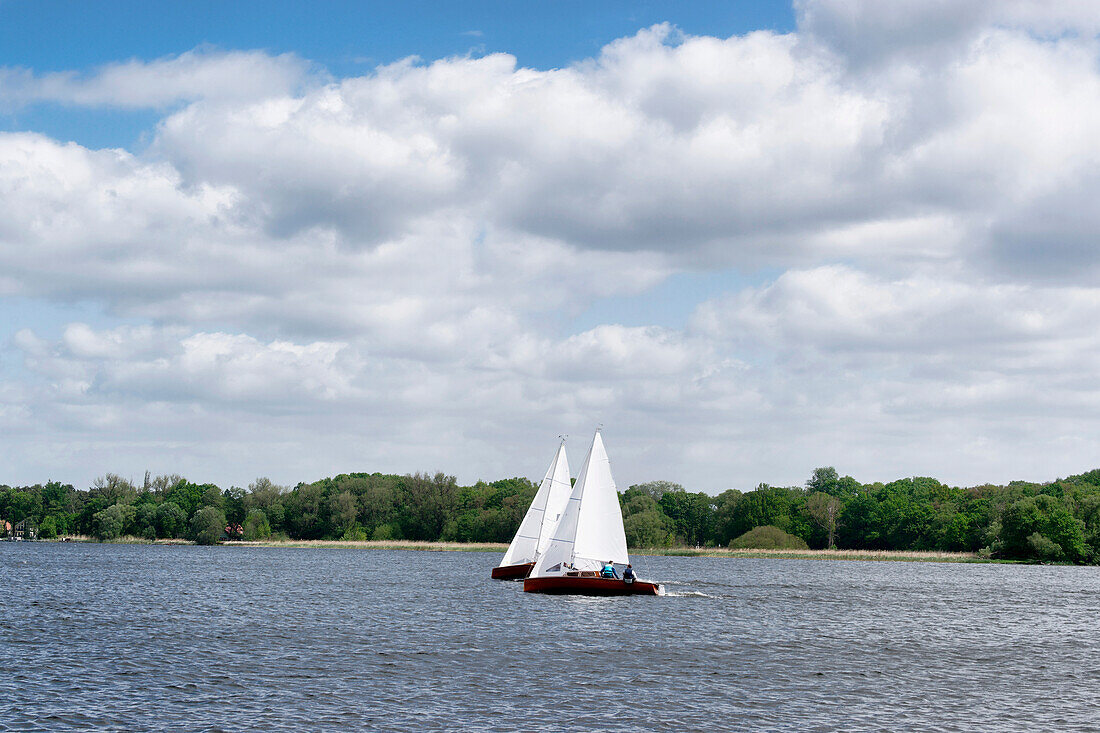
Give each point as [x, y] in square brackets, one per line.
[1054, 521]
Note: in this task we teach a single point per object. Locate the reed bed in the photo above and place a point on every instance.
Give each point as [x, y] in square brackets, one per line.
[881, 555]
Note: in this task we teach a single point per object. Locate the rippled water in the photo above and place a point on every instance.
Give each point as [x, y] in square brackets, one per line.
[190, 638]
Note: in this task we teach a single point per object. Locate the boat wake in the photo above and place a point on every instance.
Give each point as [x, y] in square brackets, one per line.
[687, 594]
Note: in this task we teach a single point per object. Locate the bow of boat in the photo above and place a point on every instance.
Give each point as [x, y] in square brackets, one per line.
[512, 572]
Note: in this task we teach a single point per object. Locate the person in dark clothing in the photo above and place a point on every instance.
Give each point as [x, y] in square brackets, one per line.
[608, 570]
[628, 573]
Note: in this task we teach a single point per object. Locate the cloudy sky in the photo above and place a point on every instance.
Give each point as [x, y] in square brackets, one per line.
[749, 241]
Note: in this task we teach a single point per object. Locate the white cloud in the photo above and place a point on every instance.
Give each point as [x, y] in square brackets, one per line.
[201, 74]
[928, 33]
[837, 312]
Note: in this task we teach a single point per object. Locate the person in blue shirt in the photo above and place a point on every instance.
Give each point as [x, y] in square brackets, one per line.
[628, 573]
[608, 570]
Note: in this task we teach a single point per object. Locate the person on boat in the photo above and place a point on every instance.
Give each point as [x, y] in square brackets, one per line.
[628, 573]
[608, 570]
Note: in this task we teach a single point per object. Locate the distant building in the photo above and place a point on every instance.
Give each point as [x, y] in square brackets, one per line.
[25, 530]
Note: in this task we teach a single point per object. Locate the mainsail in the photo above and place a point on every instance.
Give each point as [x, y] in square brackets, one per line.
[538, 524]
[590, 531]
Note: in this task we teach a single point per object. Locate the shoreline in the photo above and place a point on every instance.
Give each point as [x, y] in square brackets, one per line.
[866, 555]
[420, 546]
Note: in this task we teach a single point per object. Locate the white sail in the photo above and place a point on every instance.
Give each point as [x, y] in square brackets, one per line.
[560, 489]
[591, 528]
[542, 516]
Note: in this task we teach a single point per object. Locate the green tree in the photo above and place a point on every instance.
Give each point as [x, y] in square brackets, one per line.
[691, 515]
[828, 481]
[58, 499]
[21, 504]
[113, 489]
[768, 538]
[632, 502]
[765, 505]
[256, 526]
[860, 526]
[161, 485]
[169, 520]
[377, 499]
[207, 525]
[429, 503]
[825, 509]
[233, 505]
[1047, 516]
[646, 529]
[725, 514]
[48, 529]
[186, 495]
[304, 511]
[954, 532]
[657, 489]
[825, 480]
[343, 511]
[1044, 548]
[145, 520]
[212, 496]
[268, 497]
[1089, 513]
[110, 523]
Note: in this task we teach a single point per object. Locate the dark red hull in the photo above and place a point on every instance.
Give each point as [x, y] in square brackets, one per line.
[588, 586]
[512, 572]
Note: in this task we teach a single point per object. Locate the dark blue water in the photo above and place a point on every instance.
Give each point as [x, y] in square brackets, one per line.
[120, 637]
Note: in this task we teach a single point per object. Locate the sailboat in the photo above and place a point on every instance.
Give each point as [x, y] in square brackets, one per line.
[588, 535]
[538, 524]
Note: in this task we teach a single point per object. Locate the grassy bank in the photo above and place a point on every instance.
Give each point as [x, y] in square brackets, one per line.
[872, 555]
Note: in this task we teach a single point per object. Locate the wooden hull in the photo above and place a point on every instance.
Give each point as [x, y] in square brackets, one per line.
[588, 586]
[512, 572]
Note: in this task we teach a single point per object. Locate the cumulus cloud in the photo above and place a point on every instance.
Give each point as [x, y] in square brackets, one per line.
[839, 312]
[403, 254]
[747, 151]
[135, 84]
[947, 371]
[130, 379]
[928, 33]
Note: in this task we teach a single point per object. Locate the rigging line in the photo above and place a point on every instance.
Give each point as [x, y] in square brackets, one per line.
[645, 565]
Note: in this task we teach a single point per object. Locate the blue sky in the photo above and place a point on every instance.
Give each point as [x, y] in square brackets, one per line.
[52, 35]
[238, 239]
[346, 38]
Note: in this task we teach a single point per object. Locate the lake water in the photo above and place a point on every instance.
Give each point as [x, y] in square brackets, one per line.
[140, 637]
